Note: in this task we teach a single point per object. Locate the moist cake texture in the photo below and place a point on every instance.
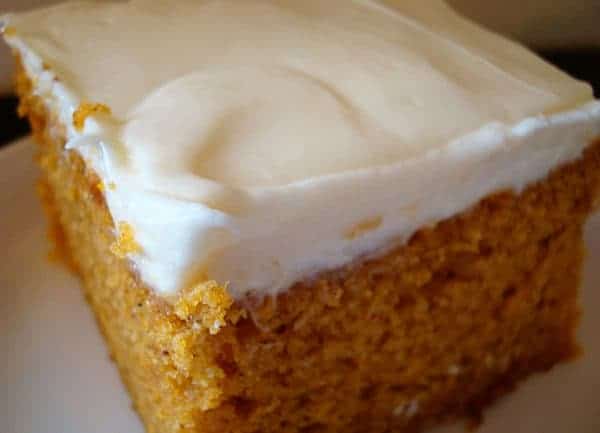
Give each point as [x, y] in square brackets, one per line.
[354, 216]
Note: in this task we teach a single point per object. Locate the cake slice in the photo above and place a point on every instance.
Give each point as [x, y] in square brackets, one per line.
[309, 216]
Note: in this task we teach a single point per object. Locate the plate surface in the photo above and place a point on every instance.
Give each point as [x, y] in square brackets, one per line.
[56, 377]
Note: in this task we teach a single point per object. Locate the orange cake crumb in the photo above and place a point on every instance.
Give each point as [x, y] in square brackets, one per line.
[206, 303]
[363, 227]
[87, 109]
[125, 243]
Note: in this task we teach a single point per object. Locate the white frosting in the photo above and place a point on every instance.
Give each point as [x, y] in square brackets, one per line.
[259, 142]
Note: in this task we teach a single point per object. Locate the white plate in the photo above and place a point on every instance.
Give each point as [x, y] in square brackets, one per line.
[56, 377]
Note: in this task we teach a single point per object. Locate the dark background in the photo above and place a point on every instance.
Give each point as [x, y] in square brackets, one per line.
[584, 65]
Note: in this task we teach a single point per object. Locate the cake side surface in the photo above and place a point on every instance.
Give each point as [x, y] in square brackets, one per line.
[433, 330]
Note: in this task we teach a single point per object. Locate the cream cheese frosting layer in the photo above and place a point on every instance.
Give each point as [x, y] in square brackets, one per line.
[260, 142]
